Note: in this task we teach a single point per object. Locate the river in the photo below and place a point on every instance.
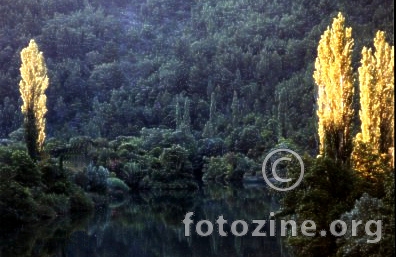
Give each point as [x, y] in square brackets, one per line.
[149, 224]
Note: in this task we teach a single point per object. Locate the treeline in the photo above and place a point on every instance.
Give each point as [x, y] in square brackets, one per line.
[166, 94]
[116, 67]
[232, 77]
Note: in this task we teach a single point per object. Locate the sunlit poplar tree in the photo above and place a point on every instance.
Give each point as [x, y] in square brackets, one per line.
[334, 78]
[32, 87]
[376, 86]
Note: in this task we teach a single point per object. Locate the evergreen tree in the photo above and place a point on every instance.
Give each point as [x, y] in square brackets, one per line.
[333, 76]
[210, 126]
[32, 87]
[178, 114]
[235, 109]
[237, 84]
[282, 108]
[186, 124]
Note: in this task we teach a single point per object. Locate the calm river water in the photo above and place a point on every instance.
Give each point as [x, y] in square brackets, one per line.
[150, 224]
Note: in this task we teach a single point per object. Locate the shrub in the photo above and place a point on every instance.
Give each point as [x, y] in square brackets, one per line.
[5, 155]
[79, 202]
[26, 171]
[116, 184]
[58, 202]
[97, 178]
[318, 199]
[81, 179]
[216, 169]
[365, 209]
[242, 165]
[55, 178]
[132, 174]
[165, 138]
[16, 203]
[211, 147]
[230, 167]
[6, 174]
[175, 160]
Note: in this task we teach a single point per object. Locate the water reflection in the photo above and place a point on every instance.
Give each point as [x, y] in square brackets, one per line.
[43, 239]
[149, 224]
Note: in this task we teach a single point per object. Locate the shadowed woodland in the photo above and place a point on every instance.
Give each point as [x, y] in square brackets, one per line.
[99, 99]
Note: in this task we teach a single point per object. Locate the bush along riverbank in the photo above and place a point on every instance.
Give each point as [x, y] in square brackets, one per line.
[32, 191]
[77, 175]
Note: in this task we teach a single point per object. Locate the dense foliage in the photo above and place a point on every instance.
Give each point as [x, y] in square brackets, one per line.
[170, 93]
[118, 67]
[236, 73]
[30, 192]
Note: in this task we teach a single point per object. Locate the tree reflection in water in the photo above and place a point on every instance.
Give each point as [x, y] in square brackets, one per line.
[150, 224]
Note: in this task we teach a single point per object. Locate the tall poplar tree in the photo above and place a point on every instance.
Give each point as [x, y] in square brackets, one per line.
[385, 81]
[32, 87]
[376, 82]
[333, 76]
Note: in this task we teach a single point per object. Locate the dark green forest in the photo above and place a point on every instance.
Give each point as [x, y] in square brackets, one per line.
[175, 94]
[117, 67]
[232, 76]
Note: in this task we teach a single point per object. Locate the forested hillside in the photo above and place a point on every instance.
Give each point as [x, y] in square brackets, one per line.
[116, 67]
[102, 98]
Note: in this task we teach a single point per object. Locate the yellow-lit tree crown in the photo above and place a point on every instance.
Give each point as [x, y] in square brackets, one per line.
[374, 144]
[370, 105]
[376, 81]
[32, 87]
[333, 76]
[385, 66]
